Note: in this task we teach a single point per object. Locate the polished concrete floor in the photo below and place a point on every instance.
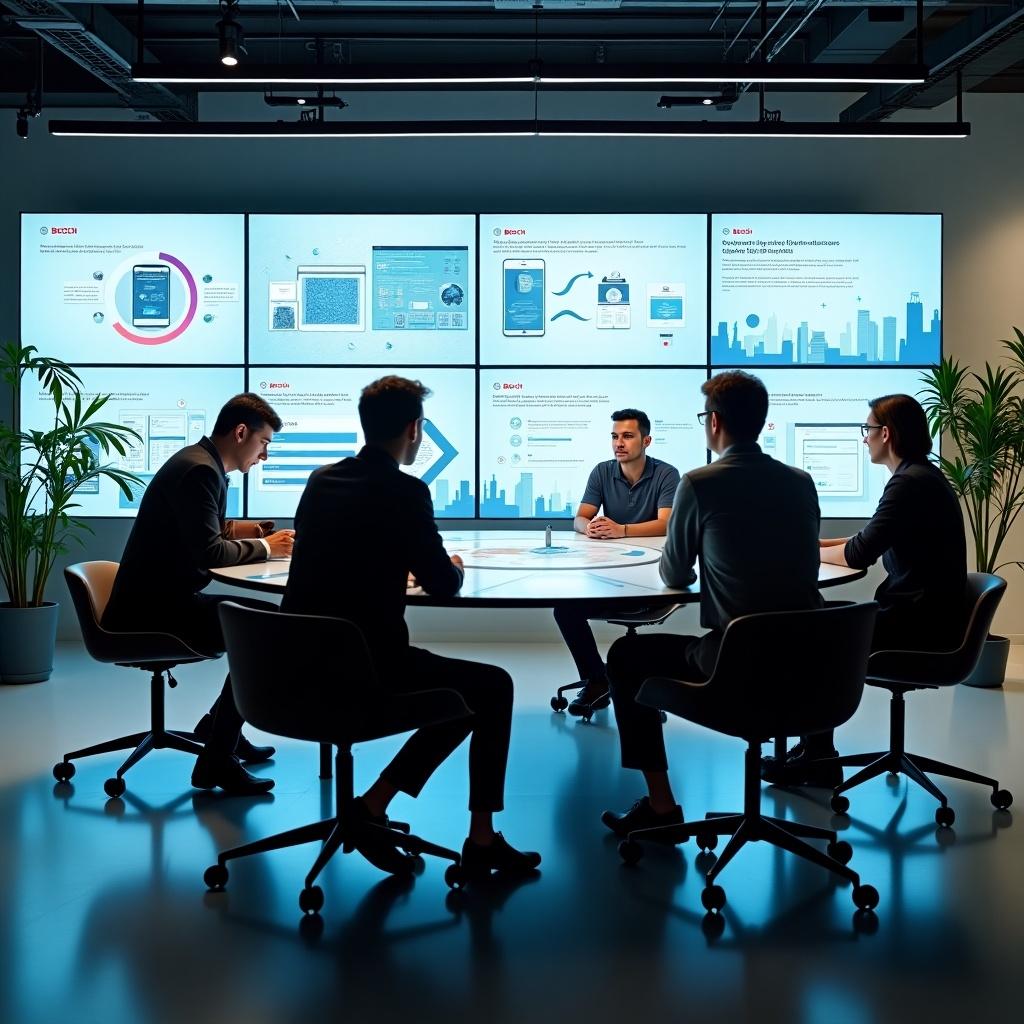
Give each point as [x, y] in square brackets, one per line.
[104, 917]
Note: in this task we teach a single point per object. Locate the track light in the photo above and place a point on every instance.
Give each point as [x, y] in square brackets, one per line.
[230, 36]
[304, 101]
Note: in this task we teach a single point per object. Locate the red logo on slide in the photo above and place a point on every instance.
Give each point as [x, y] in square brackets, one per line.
[63, 231]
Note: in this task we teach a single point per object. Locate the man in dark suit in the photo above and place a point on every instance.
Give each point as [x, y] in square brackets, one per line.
[752, 523]
[364, 530]
[180, 534]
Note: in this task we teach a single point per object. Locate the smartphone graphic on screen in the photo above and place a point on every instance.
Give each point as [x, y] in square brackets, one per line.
[151, 295]
[523, 298]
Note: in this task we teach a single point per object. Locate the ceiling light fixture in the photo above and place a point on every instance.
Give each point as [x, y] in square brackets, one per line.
[304, 101]
[230, 37]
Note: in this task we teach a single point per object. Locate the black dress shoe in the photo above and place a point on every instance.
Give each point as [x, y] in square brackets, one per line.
[582, 704]
[770, 763]
[369, 837]
[804, 769]
[213, 771]
[245, 751]
[479, 861]
[641, 815]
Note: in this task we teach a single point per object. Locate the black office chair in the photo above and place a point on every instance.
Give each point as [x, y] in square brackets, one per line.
[631, 620]
[795, 672]
[316, 681]
[90, 584]
[902, 672]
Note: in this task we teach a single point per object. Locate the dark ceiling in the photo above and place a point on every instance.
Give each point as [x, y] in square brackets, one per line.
[87, 49]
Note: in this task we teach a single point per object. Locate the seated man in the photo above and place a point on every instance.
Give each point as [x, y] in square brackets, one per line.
[752, 523]
[634, 492]
[179, 534]
[338, 570]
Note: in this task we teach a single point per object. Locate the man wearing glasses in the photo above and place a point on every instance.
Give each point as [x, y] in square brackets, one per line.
[752, 523]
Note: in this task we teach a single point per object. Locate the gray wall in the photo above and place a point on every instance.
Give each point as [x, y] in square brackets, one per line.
[976, 183]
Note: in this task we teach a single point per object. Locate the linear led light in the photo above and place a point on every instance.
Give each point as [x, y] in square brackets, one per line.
[411, 75]
[488, 129]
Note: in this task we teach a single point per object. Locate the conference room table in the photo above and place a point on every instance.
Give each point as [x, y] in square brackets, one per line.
[533, 569]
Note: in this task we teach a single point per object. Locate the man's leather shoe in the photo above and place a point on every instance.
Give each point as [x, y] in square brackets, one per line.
[770, 763]
[804, 769]
[589, 699]
[479, 861]
[213, 771]
[245, 751]
[368, 837]
[641, 815]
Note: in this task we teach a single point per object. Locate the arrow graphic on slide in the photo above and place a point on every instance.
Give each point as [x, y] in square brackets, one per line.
[572, 281]
[569, 312]
[448, 452]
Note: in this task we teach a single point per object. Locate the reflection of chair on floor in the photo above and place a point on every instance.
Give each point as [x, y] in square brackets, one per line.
[317, 682]
[768, 682]
[902, 672]
[90, 584]
[631, 620]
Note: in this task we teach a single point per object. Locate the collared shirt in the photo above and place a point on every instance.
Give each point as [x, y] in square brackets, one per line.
[624, 502]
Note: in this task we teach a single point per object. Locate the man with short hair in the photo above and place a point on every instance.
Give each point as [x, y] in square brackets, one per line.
[364, 529]
[752, 524]
[181, 533]
[634, 493]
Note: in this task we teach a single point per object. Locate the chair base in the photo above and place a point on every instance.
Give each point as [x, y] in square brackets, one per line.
[140, 743]
[336, 834]
[752, 826]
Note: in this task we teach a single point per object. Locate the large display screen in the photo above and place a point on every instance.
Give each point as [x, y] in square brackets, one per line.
[593, 289]
[529, 329]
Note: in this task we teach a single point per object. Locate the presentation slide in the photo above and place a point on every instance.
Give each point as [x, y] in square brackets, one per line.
[814, 419]
[319, 408]
[133, 288]
[593, 289]
[826, 289]
[168, 408]
[381, 290]
[543, 431]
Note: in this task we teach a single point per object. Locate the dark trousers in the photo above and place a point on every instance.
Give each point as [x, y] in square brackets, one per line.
[487, 691]
[631, 660]
[575, 628]
[197, 623]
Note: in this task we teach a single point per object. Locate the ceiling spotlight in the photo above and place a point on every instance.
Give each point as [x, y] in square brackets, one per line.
[303, 101]
[707, 101]
[230, 36]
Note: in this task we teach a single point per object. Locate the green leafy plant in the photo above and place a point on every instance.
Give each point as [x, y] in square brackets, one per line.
[40, 471]
[981, 417]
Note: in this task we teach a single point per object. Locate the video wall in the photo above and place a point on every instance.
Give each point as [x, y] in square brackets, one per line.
[529, 329]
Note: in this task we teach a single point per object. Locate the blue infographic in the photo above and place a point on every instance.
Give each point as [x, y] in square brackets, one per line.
[133, 288]
[586, 289]
[319, 408]
[167, 408]
[543, 431]
[826, 289]
[814, 419]
[345, 289]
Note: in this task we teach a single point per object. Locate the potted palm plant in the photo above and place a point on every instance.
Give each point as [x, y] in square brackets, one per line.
[40, 471]
[981, 418]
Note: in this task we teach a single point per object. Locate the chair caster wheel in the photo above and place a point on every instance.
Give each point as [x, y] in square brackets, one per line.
[454, 877]
[311, 900]
[586, 718]
[216, 877]
[865, 897]
[944, 817]
[64, 771]
[839, 803]
[1001, 798]
[631, 852]
[840, 850]
[114, 787]
[559, 704]
[707, 841]
[712, 897]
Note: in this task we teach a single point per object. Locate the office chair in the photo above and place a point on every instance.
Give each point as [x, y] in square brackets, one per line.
[90, 584]
[317, 682]
[902, 672]
[775, 671]
[631, 620]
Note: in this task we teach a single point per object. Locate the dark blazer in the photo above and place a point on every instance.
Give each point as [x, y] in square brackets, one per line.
[918, 532]
[361, 526]
[752, 524]
[177, 537]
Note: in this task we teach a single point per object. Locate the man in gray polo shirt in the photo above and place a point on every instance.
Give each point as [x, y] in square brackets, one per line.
[634, 493]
